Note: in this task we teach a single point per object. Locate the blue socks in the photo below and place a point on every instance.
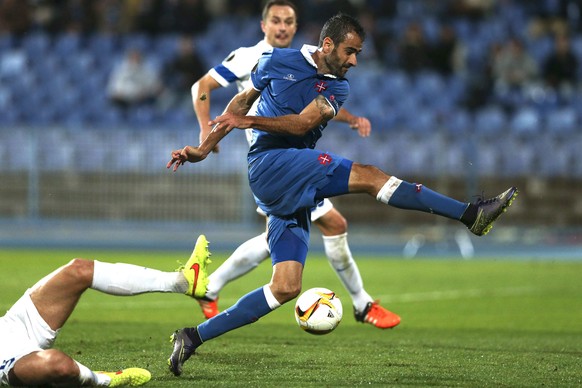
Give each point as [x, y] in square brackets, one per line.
[405, 195]
[247, 310]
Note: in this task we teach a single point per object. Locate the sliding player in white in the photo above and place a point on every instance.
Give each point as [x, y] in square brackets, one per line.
[30, 327]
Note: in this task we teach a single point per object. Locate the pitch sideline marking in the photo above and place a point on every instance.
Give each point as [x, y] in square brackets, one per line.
[456, 294]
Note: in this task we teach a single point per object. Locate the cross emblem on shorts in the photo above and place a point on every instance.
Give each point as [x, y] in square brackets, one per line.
[324, 159]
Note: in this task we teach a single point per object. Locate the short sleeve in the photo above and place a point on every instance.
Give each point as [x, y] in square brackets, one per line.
[337, 95]
[261, 74]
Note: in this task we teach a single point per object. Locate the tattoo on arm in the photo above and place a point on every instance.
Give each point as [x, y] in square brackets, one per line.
[325, 110]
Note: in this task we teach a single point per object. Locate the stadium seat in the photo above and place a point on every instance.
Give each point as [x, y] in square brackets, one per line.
[66, 44]
[562, 122]
[102, 45]
[490, 121]
[458, 122]
[430, 87]
[394, 85]
[422, 121]
[519, 157]
[13, 63]
[526, 122]
[36, 46]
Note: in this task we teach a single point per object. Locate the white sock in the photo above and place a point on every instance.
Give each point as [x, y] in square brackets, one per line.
[245, 258]
[341, 259]
[271, 300]
[88, 378]
[388, 189]
[129, 279]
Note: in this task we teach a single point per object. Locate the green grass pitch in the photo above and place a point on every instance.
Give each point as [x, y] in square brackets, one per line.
[484, 322]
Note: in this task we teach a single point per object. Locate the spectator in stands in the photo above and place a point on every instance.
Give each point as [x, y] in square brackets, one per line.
[560, 67]
[447, 54]
[472, 9]
[133, 82]
[181, 73]
[413, 49]
[183, 16]
[480, 83]
[515, 72]
[15, 17]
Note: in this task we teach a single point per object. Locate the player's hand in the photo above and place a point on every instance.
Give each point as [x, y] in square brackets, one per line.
[186, 154]
[362, 125]
[228, 121]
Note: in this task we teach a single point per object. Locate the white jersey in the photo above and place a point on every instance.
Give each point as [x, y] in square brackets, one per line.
[238, 65]
[237, 68]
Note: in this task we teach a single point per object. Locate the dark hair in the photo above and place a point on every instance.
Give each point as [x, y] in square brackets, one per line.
[338, 26]
[283, 3]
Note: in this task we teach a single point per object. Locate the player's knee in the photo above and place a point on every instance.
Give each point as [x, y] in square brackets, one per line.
[339, 225]
[370, 178]
[285, 292]
[59, 365]
[332, 223]
[80, 270]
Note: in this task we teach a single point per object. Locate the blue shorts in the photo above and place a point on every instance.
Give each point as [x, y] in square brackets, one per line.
[288, 237]
[286, 180]
[286, 184]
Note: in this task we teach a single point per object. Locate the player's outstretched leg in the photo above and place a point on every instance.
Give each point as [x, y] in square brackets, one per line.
[478, 217]
[195, 270]
[489, 210]
[131, 377]
[377, 315]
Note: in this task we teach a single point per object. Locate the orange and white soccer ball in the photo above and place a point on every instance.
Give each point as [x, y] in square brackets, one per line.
[318, 311]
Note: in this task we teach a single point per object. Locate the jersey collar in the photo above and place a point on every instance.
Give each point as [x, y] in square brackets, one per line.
[307, 50]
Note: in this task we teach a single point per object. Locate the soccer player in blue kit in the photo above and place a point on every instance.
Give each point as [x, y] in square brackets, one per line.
[279, 24]
[300, 91]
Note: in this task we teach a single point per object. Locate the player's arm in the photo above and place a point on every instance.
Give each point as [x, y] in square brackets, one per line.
[361, 124]
[314, 114]
[237, 107]
[201, 91]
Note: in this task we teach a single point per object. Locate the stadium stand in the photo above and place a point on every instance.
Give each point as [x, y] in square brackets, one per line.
[52, 84]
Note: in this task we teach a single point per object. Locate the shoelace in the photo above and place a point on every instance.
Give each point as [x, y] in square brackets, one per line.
[376, 310]
[481, 201]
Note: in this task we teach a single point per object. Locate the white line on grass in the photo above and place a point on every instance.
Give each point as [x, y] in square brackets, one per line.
[456, 294]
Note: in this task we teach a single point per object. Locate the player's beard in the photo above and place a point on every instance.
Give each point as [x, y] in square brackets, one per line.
[334, 64]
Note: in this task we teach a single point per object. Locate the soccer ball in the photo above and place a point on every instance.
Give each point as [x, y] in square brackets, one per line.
[318, 311]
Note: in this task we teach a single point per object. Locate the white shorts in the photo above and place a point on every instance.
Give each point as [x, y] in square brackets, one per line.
[22, 331]
[317, 212]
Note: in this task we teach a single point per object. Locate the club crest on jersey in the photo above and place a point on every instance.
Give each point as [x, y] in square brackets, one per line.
[324, 159]
[320, 86]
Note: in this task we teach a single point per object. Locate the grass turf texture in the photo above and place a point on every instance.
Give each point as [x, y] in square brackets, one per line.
[464, 323]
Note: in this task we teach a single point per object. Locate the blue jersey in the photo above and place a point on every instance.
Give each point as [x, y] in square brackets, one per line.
[286, 174]
[289, 81]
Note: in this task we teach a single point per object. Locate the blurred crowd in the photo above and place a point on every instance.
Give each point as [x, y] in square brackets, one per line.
[411, 35]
